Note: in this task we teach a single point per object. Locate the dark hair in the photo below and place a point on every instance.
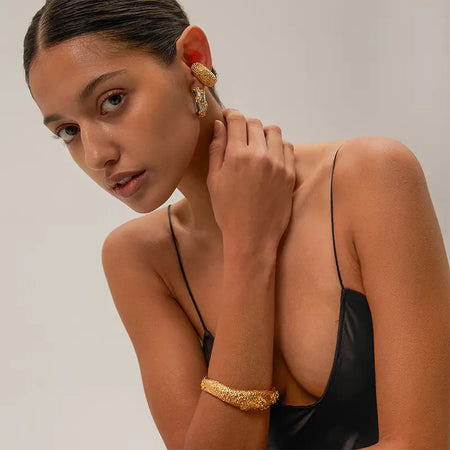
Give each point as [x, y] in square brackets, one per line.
[152, 25]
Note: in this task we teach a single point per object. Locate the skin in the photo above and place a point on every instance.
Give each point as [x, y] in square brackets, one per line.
[142, 137]
[409, 299]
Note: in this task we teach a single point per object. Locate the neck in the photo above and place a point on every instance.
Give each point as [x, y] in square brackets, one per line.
[199, 215]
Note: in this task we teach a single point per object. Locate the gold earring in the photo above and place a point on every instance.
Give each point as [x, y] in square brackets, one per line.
[201, 105]
[203, 74]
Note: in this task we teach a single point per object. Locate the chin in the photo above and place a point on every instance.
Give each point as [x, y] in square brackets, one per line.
[139, 207]
[144, 206]
[142, 210]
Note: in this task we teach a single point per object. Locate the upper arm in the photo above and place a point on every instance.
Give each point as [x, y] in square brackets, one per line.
[405, 275]
[166, 345]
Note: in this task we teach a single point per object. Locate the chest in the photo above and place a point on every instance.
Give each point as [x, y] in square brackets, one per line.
[307, 295]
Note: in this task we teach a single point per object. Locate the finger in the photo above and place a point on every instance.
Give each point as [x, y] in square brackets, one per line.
[256, 135]
[274, 141]
[289, 158]
[236, 130]
[217, 147]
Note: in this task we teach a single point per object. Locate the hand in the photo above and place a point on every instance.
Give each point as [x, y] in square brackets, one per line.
[251, 179]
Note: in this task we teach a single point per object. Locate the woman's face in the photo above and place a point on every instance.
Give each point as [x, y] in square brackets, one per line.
[119, 111]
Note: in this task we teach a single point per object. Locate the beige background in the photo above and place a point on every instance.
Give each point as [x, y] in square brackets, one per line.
[321, 69]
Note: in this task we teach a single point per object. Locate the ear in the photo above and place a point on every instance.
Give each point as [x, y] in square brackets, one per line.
[193, 46]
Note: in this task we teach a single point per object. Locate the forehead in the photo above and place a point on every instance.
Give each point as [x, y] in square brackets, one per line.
[70, 65]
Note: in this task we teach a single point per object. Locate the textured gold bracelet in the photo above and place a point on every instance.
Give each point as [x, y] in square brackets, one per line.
[243, 399]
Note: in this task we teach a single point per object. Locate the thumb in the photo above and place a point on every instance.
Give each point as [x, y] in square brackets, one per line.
[217, 147]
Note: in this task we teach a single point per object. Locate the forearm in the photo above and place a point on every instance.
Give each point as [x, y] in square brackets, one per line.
[242, 356]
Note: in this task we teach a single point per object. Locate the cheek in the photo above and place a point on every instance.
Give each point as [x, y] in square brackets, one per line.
[167, 122]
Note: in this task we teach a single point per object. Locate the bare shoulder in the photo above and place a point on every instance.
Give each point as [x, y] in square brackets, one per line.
[146, 244]
[374, 169]
[367, 155]
[165, 342]
[368, 162]
[404, 271]
[369, 171]
[139, 232]
[145, 238]
[359, 153]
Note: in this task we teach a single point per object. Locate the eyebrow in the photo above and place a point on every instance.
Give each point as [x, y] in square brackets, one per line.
[86, 92]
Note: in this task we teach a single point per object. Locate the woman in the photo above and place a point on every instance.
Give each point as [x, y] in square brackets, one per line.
[320, 275]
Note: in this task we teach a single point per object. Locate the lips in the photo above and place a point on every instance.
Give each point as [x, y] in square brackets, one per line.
[114, 179]
[128, 179]
[131, 187]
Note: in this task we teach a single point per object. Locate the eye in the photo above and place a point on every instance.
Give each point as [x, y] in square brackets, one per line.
[112, 103]
[67, 133]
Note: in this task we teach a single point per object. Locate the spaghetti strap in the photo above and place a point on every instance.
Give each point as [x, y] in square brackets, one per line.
[332, 222]
[182, 270]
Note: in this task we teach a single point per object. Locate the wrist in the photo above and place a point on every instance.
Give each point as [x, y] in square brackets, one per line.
[245, 248]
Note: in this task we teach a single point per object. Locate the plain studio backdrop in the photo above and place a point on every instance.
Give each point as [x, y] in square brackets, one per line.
[320, 69]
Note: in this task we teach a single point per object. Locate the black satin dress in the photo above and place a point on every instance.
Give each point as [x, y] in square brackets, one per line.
[345, 417]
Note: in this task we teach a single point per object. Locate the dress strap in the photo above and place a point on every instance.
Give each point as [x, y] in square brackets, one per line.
[332, 222]
[182, 270]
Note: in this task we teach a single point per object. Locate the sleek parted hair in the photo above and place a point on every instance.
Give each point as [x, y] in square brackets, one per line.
[151, 25]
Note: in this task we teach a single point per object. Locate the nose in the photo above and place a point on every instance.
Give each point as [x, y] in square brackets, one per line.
[99, 146]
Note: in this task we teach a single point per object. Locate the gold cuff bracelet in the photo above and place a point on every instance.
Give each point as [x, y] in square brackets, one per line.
[243, 399]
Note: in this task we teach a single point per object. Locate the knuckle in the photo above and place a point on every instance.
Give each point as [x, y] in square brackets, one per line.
[235, 116]
[229, 110]
[254, 121]
[279, 167]
[264, 160]
[273, 128]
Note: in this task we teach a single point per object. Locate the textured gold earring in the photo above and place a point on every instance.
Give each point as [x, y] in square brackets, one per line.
[203, 74]
[201, 105]
[206, 77]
